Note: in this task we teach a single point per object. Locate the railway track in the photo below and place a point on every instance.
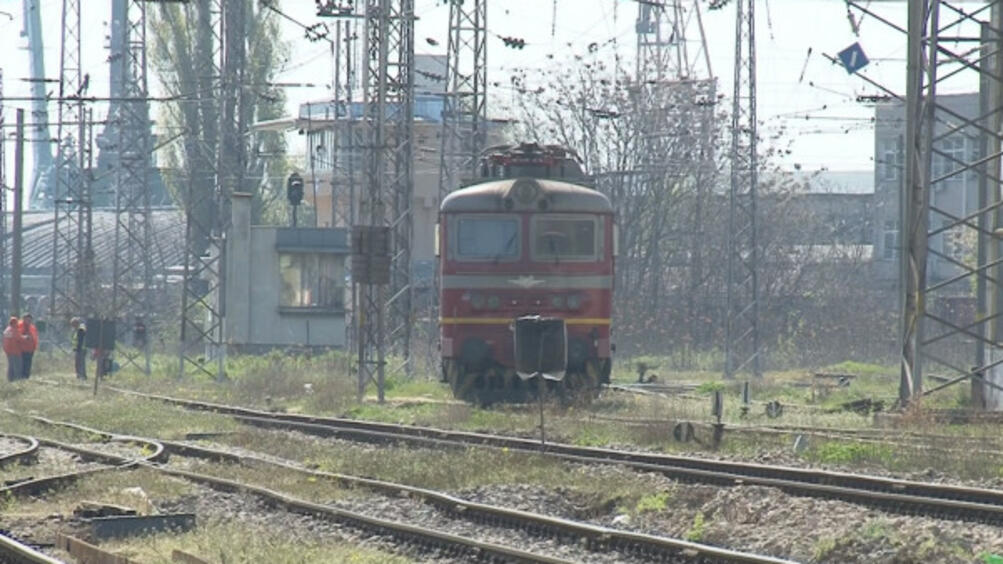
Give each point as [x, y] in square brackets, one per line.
[937, 500]
[931, 442]
[19, 455]
[15, 552]
[593, 538]
[152, 451]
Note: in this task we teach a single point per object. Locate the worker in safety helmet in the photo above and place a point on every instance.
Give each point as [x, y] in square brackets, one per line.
[77, 338]
[30, 334]
[13, 342]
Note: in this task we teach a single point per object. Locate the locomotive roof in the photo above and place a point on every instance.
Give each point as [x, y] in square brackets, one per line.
[492, 196]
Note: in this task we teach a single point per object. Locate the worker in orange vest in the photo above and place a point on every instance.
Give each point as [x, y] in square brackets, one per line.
[13, 342]
[30, 344]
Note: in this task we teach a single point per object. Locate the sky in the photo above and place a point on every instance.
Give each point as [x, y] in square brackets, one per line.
[804, 101]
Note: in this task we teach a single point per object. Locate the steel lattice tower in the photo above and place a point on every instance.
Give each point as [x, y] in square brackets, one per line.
[930, 335]
[464, 110]
[742, 346]
[345, 143]
[670, 41]
[133, 261]
[221, 24]
[932, 232]
[71, 254]
[673, 83]
[386, 198]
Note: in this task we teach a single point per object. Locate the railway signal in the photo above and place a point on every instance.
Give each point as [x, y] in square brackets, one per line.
[294, 193]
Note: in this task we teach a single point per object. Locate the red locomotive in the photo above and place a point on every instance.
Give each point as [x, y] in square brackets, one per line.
[528, 238]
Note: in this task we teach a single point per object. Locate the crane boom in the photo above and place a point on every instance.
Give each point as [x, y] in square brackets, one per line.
[41, 145]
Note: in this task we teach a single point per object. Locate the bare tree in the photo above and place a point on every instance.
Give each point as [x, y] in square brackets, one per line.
[652, 150]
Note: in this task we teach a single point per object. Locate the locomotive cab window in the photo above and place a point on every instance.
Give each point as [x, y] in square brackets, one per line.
[574, 238]
[479, 238]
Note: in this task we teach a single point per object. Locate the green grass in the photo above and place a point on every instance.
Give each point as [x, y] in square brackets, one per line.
[323, 385]
[849, 453]
[129, 488]
[236, 542]
[657, 501]
[697, 530]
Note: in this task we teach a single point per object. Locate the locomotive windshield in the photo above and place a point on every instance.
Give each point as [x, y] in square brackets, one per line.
[484, 238]
[557, 238]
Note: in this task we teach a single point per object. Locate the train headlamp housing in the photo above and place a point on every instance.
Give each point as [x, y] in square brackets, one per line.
[525, 191]
[574, 301]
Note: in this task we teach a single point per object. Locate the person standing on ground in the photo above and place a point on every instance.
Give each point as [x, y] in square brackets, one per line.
[12, 344]
[30, 332]
[79, 352]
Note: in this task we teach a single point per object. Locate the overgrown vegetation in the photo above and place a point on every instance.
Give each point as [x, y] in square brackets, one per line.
[236, 542]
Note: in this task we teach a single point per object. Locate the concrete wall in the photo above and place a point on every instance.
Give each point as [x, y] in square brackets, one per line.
[254, 320]
[958, 195]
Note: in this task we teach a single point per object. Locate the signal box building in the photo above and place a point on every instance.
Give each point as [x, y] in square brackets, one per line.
[285, 286]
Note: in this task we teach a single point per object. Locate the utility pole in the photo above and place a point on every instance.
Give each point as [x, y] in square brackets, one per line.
[15, 286]
[4, 305]
[133, 258]
[936, 269]
[464, 115]
[221, 27]
[742, 346]
[673, 84]
[344, 144]
[69, 228]
[388, 87]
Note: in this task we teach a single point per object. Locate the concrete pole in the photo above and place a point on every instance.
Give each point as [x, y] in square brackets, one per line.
[985, 141]
[994, 291]
[921, 80]
[15, 285]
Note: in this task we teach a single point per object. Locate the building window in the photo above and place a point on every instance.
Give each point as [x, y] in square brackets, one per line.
[890, 159]
[889, 168]
[951, 157]
[953, 240]
[312, 280]
[890, 240]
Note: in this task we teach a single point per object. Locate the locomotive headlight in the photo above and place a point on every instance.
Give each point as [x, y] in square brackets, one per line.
[477, 301]
[574, 301]
[494, 302]
[557, 301]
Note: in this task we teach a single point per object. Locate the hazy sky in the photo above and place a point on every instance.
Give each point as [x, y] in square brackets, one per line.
[810, 99]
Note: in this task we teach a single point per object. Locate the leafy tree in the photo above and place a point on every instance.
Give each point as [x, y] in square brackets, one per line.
[185, 57]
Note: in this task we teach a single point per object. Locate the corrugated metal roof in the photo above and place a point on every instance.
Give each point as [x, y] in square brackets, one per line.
[37, 229]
